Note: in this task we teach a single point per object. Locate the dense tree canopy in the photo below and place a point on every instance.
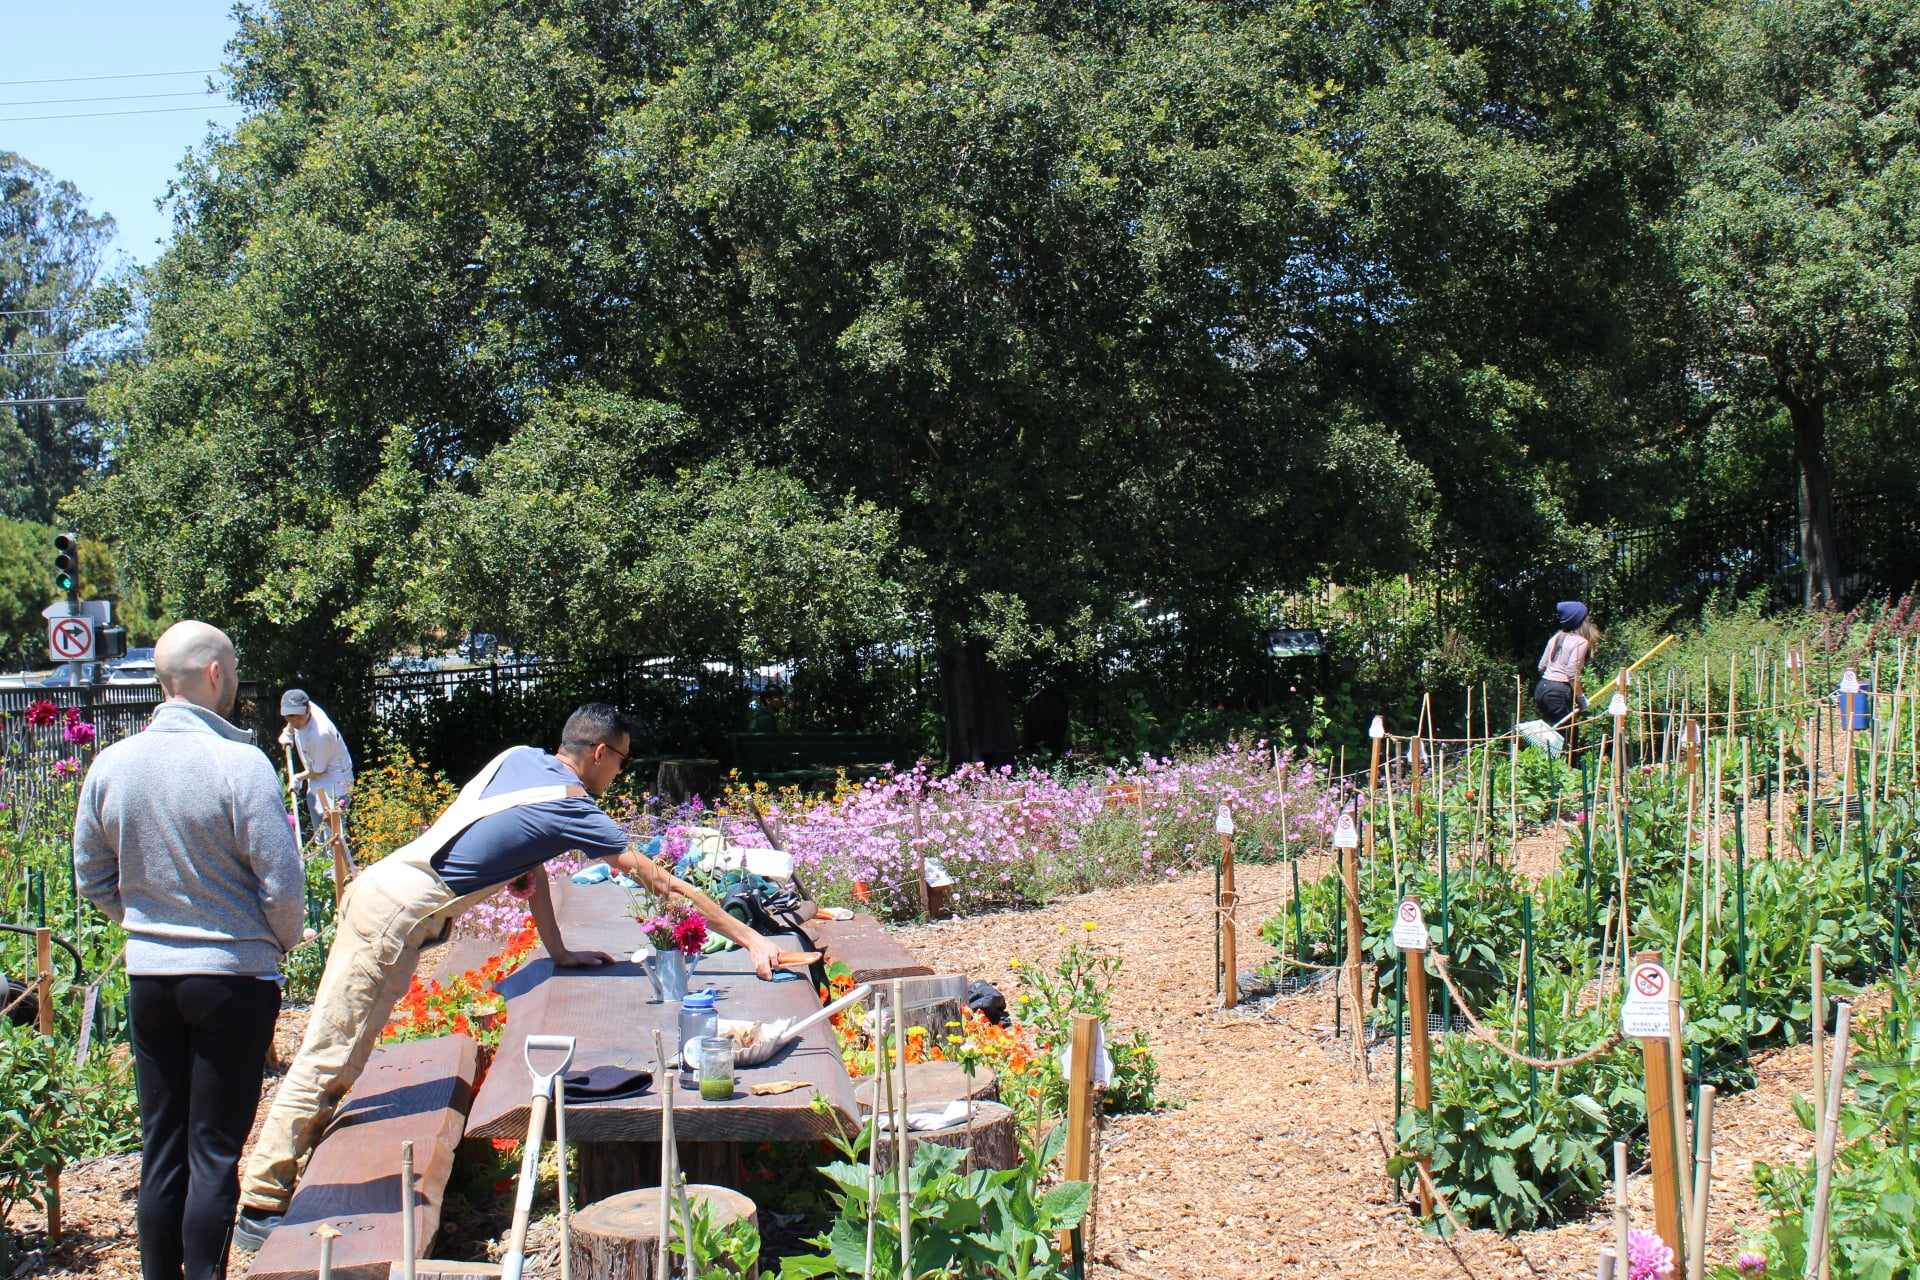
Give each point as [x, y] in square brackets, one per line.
[50, 259]
[789, 326]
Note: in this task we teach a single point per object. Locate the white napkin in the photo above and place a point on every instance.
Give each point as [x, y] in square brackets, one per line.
[926, 1121]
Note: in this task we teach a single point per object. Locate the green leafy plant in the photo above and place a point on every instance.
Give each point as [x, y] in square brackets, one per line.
[716, 1251]
[991, 1224]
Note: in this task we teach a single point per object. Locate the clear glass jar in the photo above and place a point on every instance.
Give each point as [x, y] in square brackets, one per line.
[698, 1020]
[716, 1068]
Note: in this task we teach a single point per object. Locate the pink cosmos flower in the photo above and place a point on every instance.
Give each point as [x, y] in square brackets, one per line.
[66, 768]
[1751, 1263]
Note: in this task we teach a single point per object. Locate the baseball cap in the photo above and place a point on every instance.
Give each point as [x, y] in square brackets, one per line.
[294, 702]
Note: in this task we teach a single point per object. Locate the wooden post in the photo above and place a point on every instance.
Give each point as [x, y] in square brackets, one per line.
[1229, 926]
[1079, 1107]
[1829, 1137]
[342, 857]
[920, 856]
[1422, 1052]
[1663, 1132]
[1702, 1183]
[409, 1247]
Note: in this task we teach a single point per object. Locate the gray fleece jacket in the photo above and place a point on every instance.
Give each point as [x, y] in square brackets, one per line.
[181, 836]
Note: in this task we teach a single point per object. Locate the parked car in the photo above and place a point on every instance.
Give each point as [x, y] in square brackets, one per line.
[63, 675]
[131, 670]
[479, 645]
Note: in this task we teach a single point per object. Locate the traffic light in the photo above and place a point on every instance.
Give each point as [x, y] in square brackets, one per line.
[66, 560]
[109, 642]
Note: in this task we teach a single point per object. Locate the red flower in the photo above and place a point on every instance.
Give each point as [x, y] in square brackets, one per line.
[42, 713]
[690, 934]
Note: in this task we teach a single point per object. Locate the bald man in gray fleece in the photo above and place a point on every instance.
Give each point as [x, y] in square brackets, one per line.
[182, 837]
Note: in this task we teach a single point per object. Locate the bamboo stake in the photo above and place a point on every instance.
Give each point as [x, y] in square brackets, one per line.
[667, 1155]
[1513, 774]
[1079, 1107]
[1415, 963]
[1677, 1082]
[1702, 1184]
[902, 1165]
[1622, 1219]
[1829, 1138]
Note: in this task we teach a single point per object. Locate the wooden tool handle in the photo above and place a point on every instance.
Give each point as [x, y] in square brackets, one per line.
[797, 957]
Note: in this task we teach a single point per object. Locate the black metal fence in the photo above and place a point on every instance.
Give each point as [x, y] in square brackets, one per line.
[456, 718]
[34, 758]
[1679, 564]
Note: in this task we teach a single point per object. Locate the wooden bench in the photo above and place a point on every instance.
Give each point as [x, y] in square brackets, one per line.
[415, 1092]
[802, 758]
[864, 946]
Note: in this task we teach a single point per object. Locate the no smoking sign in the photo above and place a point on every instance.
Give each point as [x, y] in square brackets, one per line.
[70, 639]
[1645, 1012]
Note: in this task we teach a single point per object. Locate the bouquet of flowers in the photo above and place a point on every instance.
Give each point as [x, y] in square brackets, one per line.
[676, 928]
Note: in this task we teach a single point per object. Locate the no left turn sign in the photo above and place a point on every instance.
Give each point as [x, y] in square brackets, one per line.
[70, 639]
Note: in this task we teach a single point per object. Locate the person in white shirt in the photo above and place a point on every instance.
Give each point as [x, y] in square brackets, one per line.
[326, 766]
[1565, 657]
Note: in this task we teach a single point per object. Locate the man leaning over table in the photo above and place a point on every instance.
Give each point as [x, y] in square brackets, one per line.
[524, 807]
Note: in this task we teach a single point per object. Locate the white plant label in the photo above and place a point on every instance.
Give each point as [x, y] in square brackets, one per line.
[1849, 681]
[1378, 729]
[1617, 708]
[1644, 1014]
[1410, 926]
[1345, 834]
[1223, 822]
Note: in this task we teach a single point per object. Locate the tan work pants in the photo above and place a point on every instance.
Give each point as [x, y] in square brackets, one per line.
[389, 912]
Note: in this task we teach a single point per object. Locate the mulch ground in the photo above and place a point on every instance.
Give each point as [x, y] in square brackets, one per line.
[1268, 1162]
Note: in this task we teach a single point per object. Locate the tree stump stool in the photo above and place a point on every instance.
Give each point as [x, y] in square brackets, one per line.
[994, 1139]
[675, 780]
[934, 1084]
[619, 1238]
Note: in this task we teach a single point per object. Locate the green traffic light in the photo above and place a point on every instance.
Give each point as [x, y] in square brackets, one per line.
[66, 563]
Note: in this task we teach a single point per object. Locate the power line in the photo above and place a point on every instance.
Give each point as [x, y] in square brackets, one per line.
[41, 400]
[113, 97]
[124, 75]
[95, 115]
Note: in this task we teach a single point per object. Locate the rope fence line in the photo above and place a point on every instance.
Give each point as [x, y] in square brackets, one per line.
[1488, 1035]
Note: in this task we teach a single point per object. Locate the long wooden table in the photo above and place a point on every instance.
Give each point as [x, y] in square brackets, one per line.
[612, 1013]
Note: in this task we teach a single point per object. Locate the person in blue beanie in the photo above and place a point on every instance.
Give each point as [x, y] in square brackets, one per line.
[1565, 656]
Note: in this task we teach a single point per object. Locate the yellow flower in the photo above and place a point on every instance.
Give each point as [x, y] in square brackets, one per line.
[1088, 925]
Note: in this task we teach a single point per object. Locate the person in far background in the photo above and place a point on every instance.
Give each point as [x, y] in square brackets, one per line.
[1565, 657]
[326, 766]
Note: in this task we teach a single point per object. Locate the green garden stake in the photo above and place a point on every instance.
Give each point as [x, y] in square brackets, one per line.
[40, 897]
[1740, 926]
[1299, 930]
[1533, 1037]
[1446, 929]
[1693, 1074]
[1899, 914]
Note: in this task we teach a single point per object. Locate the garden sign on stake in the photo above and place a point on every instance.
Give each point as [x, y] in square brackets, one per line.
[1647, 1015]
[1229, 930]
[1411, 938]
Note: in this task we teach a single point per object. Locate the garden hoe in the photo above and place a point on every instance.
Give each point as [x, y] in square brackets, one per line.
[547, 1057]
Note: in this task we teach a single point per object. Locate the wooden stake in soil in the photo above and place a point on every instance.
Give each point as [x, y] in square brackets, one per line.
[1677, 1083]
[1649, 982]
[1411, 938]
[667, 1155]
[1829, 1138]
[1229, 924]
[1079, 1107]
[1819, 1038]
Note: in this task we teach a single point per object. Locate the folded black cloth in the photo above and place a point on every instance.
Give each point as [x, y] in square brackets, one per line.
[607, 1082]
[984, 998]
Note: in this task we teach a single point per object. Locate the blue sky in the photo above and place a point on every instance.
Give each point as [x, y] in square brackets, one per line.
[121, 163]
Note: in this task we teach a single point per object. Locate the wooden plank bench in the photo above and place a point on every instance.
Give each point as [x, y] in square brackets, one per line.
[415, 1092]
[864, 946]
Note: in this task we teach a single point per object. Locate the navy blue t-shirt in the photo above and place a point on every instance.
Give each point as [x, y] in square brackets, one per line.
[505, 846]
